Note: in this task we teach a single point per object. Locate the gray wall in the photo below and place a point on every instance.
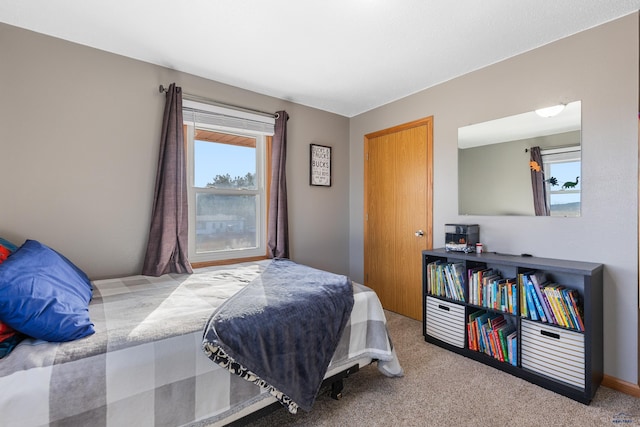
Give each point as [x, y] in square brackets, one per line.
[495, 179]
[79, 146]
[598, 67]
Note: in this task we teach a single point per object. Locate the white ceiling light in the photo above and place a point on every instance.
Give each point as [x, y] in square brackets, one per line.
[550, 111]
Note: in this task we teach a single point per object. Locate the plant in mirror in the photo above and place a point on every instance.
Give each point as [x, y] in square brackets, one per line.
[526, 164]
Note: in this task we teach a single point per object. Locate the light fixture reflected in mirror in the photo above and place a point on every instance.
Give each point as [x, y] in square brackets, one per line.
[550, 111]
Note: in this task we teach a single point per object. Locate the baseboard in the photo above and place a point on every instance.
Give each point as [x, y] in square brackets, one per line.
[621, 386]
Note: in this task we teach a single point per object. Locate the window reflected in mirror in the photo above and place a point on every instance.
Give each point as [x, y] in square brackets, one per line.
[562, 165]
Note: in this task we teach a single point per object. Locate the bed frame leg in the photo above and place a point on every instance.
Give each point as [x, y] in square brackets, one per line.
[337, 383]
[336, 389]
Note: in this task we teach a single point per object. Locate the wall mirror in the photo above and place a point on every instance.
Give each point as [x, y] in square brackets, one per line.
[527, 164]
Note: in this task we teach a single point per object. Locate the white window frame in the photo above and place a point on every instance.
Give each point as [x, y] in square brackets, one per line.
[260, 134]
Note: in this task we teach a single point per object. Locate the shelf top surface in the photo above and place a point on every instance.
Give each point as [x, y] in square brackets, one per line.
[579, 267]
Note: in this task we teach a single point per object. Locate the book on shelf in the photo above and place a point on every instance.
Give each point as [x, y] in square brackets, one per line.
[496, 320]
[485, 344]
[539, 280]
[566, 311]
[488, 334]
[561, 305]
[565, 306]
[457, 271]
[470, 285]
[472, 329]
[448, 281]
[458, 275]
[536, 280]
[524, 312]
[475, 284]
[549, 292]
[495, 332]
[480, 330]
[492, 298]
[511, 297]
[445, 280]
[531, 308]
[506, 289]
[571, 298]
[431, 279]
[471, 342]
[476, 276]
[503, 333]
[487, 299]
[536, 301]
[439, 287]
[493, 346]
[484, 276]
[577, 306]
[503, 303]
[550, 302]
[504, 356]
[488, 280]
[498, 332]
[512, 343]
[441, 277]
[565, 296]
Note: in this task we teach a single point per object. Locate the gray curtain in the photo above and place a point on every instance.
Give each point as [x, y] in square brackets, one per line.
[537, 183]
[278, 229]
[167, 245]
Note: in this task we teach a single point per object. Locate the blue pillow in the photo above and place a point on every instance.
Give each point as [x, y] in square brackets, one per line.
[43, 295]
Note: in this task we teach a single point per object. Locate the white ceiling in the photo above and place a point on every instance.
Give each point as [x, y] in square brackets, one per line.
[342, 56]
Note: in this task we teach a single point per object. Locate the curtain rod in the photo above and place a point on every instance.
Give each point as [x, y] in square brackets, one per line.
[162, 89]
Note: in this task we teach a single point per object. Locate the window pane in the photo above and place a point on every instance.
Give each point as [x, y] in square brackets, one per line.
[224, 165]
[566, 174]
[564, 197]
[225, 222]
[565, 204]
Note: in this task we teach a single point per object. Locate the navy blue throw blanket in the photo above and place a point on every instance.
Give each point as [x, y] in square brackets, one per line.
[283, 328]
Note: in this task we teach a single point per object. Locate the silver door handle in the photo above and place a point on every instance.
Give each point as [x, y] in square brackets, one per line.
[419, 233]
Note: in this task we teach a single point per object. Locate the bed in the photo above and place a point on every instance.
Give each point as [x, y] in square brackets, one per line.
[145, 363]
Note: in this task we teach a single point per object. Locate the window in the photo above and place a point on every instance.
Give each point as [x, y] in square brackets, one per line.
[562, 180]
[227, 188]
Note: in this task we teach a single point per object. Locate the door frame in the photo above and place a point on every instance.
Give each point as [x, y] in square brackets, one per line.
[428, 121]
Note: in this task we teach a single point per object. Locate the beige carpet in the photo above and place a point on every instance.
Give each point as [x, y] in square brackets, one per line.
[441, 388]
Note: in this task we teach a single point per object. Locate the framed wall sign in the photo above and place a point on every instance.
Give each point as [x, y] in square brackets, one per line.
[320, 166]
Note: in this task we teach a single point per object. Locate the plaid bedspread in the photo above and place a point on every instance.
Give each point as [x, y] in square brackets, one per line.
[145, 366]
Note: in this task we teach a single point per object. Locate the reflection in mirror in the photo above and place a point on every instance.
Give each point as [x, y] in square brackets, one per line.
[521, 165]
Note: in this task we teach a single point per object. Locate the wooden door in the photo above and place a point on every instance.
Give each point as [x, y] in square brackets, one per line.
[398, 205]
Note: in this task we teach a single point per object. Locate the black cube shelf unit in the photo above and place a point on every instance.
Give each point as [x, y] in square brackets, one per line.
[566, 360]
